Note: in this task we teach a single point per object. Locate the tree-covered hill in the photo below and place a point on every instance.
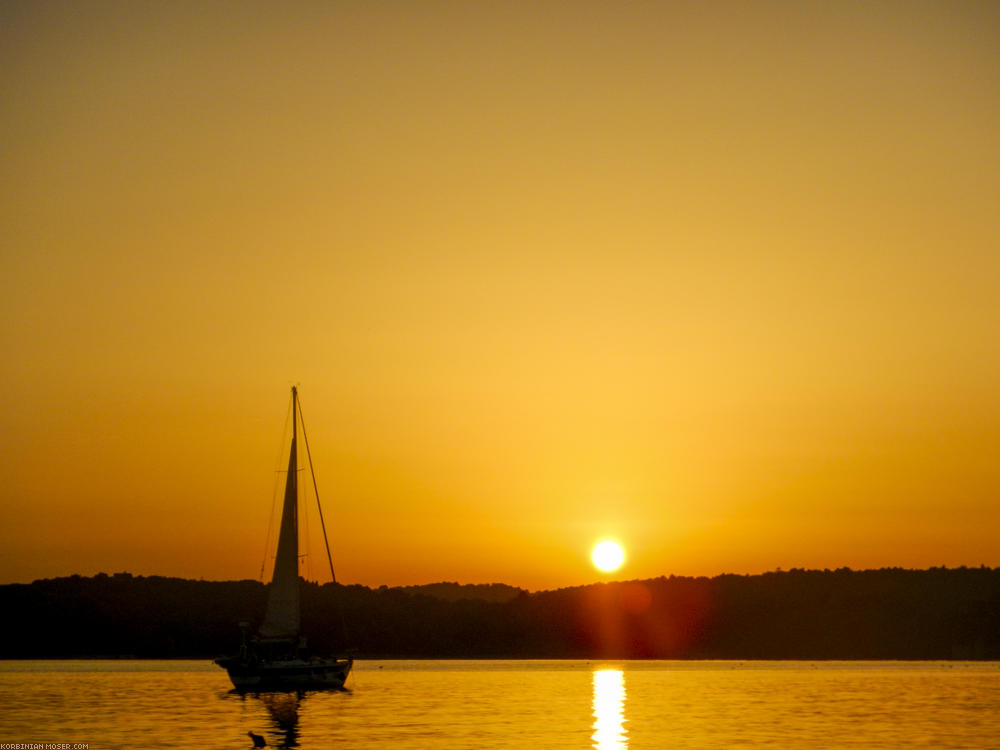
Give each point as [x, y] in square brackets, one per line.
[938, 613]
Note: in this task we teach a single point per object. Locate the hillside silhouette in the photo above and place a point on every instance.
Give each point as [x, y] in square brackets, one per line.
[940, 613]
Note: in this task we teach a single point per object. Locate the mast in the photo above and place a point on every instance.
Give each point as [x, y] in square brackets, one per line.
[282, 617]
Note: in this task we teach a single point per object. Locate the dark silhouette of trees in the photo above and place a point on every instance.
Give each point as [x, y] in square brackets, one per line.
[892, 613]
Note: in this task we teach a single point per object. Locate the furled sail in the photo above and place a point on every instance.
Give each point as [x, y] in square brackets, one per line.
[281, 619]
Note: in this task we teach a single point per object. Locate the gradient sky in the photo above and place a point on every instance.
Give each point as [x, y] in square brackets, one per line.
[719, 280]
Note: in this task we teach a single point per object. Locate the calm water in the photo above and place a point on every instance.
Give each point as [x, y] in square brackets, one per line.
[536, 704]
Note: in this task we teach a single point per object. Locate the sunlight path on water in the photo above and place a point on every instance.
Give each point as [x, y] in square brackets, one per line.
[609, 709]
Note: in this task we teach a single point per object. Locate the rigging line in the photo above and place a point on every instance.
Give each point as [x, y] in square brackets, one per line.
[322, 523]
[312, 473]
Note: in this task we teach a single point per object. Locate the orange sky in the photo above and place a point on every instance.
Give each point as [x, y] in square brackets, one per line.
[719, 280]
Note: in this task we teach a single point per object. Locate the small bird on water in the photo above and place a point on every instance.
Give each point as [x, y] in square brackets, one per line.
[258, 741]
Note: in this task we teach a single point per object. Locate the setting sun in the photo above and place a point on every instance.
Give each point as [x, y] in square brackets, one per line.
[608, 556]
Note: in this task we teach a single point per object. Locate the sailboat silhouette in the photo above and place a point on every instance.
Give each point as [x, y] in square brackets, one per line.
[276, 657]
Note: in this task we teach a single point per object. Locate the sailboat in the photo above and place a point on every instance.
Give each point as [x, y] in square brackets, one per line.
[277, 657]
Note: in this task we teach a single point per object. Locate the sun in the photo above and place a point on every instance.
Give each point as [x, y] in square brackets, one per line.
[608, 556]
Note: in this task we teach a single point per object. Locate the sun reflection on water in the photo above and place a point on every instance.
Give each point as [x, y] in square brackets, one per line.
[609, 709]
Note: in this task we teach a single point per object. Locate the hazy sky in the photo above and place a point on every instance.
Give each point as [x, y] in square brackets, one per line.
[719, 280]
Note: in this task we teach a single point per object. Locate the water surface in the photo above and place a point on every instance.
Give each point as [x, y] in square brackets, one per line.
[512, 704]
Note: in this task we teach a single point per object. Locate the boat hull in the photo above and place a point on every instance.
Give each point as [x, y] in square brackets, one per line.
[287, 674]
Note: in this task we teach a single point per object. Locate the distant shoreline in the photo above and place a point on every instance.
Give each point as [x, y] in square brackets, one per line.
[937, 614]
